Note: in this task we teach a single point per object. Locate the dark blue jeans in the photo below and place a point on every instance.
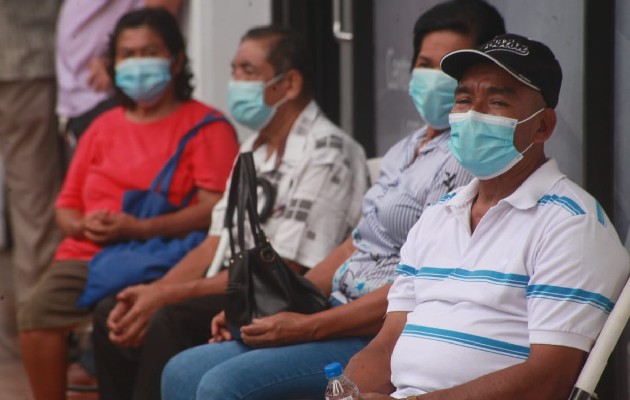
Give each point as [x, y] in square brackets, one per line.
[233, 370]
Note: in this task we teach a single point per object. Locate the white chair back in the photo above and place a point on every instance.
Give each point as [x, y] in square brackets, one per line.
[374, 168]
[586, 383]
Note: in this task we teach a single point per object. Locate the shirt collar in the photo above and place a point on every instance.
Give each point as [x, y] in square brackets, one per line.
[525, 196]
[295, 144]
[536, 186]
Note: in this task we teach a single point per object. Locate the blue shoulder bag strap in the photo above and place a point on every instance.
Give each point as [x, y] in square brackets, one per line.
[162, 181]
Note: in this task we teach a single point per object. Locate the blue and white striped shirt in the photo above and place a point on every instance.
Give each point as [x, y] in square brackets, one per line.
[543, 266]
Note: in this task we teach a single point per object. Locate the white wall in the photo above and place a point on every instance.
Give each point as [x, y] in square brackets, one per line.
[214, 30]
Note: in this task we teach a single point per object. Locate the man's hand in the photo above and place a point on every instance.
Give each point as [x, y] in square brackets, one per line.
[218, 329]
[277, 330]
[128, 320]
[98, 78]
[114, 226]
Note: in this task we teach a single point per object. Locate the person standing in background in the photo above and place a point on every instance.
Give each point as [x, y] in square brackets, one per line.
[29, 146]
[84, 87]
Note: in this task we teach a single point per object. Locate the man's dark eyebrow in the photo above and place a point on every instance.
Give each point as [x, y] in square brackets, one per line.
[506, 90]
[243, 65]
[462, 89]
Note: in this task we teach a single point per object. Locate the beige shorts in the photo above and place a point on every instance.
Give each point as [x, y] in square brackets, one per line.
[52, 302]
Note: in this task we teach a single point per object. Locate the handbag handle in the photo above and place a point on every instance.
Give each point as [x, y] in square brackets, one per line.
[162, 181]
[247, 200]
[243, 200]
[228, 219]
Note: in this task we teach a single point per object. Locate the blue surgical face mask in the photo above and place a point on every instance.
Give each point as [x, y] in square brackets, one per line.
[247, 102]
[432, 92]
[143, 79]
[484, 144]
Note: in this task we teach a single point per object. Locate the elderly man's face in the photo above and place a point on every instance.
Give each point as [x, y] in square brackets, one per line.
[250, 61]
[489, 89]
[250, 64]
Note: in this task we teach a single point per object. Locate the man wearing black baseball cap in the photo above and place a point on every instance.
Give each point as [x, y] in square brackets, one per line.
[529, 61]
[504, 284]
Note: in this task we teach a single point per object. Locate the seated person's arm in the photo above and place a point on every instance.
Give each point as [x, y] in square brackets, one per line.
[194, 264]
[322, 274]
[75, 224]
[285, 327]
[549, 373]
[121, 226]
[194, 217]
[370, 368]
[363, 316]
[299, 268]
[104, 226]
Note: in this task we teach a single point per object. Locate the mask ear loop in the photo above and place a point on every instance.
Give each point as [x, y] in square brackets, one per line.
[273, 81]
[531, 116]
[525, 120]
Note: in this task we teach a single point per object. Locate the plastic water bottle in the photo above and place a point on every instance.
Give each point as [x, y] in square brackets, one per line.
[339, 387]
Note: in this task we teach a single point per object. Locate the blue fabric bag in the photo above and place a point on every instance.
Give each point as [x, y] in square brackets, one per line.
[133, 262]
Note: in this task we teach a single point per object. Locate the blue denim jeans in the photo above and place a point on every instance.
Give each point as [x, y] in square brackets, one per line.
[233, 370]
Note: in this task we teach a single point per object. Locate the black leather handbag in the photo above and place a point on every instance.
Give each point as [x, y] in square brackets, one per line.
[260, 283]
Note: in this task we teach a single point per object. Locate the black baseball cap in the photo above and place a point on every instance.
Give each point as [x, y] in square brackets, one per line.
[527, 60]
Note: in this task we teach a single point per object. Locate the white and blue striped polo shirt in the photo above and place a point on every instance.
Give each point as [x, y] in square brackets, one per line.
[543, 266]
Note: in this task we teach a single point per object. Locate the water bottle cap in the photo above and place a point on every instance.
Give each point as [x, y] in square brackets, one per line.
[333, 370]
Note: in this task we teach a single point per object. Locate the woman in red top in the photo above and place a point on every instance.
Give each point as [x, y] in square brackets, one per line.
[123, 150]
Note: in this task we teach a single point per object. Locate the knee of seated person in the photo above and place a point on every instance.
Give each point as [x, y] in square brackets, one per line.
[181, 378]
[211, 389]
[174, 372]
[30, 310]
[173, 369]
